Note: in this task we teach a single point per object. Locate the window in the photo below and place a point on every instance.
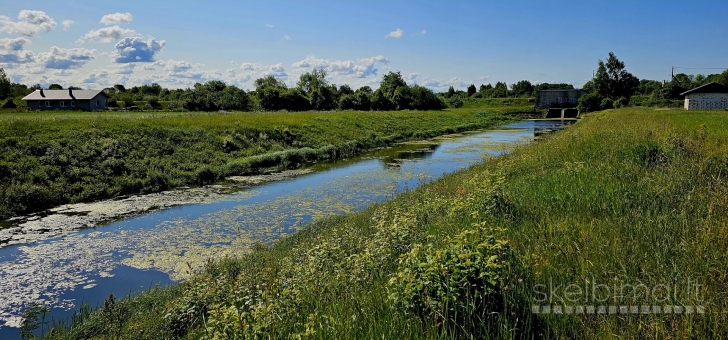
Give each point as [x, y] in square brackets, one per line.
[73, 103]
[48, 104]
[63, 104]
[98, 102]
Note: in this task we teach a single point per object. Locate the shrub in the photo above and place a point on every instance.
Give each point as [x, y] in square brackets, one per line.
[589, 102]
[9, 104]
[457, 283]
[607, 103]
[456, 102]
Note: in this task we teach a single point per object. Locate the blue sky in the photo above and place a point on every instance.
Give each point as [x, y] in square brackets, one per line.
[95, 44]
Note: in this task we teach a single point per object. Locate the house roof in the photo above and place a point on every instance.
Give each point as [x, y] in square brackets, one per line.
[64, 94]
[708, 88]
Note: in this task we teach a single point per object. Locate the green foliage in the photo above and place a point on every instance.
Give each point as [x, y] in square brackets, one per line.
[522, 88]
[471, 90]
[589, 102]
[5, 89]
[613, 81]
[606, 104]
[55, 87]
[456, 102]
[454, 285]
[9, 104]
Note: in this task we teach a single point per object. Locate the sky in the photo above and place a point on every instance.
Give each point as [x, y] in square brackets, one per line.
[96, 44]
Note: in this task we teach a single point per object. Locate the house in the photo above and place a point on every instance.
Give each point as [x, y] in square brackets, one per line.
[86, 100]
[707, 97]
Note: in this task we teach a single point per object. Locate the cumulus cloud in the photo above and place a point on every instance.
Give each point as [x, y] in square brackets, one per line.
[99, 78]
[420, 33]
[276, 70]
[437, 84]
[30, 24]
[115, 18]
[484, 77]
[396, 34]
[108, 34]
[135, 49]
[11, 51]
[125, 68]
[361, 68]
[67, 24]
[62, 58]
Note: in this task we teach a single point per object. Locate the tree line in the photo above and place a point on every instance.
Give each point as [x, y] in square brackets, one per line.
[614, 87]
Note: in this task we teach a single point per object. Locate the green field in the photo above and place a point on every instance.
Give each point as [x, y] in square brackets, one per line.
[629, 196]
[53, 158]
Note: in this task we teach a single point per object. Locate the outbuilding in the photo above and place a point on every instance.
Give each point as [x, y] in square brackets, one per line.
[707, 97]
[86, 100]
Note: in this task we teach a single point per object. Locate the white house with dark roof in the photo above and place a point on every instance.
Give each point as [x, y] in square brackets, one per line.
[86, 100]
[707, 97]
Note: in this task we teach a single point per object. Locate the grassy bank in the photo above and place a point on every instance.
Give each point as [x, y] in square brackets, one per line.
[52, 158]
[628, 197]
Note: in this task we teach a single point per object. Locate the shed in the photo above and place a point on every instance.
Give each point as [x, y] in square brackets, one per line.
[86, 100]
[707, 97]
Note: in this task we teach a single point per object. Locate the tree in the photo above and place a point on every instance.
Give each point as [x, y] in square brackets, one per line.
[613, 81]
[390, 83]
[471, 90]
[522, 88]
[120, 88]
[4, 85]
[55, 87]
[723, 78]
[269, 81]
[450, 92]
[310, 81]
[500, 90]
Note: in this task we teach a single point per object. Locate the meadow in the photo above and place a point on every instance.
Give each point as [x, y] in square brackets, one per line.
[632, 197]
[54, 158]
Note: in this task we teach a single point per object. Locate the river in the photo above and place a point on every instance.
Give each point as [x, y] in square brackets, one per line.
[82, 253]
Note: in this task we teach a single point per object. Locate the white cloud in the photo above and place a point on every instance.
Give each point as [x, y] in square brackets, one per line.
[135, 49]
[285, 37]
[484, 77]
[11, 51]
[412, 78]
[125, 68]
[32, 23]
[420, 33]
[67, 24]
[62, 58]
[361, 68]
[100, 78]
[116, 18]
[109, 34]
[269, 25]
[441, 85]
[396, 34]
[277, 71]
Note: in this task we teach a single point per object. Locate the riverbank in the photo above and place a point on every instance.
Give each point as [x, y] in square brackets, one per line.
[50, 159]
[626, 198]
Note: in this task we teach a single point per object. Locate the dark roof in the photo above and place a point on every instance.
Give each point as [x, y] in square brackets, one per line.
[708, 88]
[64, 95]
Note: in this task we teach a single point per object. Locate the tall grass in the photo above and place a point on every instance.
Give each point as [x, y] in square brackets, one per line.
[634, 196]
[51, 158]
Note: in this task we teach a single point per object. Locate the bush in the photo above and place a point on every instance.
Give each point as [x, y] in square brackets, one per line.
[606, 104]
[456, 284]
[589, 102]
[9, 104]
[456, 102]
[621, 102]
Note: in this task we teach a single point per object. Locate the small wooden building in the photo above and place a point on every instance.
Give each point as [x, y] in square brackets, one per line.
[86, 100]
[707, 97]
